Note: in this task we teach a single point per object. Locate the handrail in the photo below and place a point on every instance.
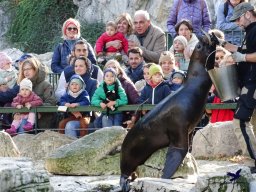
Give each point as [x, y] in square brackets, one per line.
[47, 109]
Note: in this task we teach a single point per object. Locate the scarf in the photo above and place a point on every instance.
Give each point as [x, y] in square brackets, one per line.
[142, 36]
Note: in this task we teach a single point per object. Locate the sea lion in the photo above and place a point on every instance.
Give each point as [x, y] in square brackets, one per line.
[172, 120]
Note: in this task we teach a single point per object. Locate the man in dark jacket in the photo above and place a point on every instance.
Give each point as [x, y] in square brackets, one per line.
[245, 16]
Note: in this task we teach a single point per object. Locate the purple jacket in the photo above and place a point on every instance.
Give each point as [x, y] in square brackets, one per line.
[196, 11]
[33, 99]
[130, 90]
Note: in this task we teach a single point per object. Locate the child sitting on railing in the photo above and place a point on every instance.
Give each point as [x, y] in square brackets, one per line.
[76, 95]
[25, 98]
[110, 86]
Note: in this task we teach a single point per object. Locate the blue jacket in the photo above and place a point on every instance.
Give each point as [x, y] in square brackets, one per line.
[233, 33]
[135, 74]
[154, 95]
[7, 97]
[61, 53]
[83, 98]
[175, 86]
[90, 83]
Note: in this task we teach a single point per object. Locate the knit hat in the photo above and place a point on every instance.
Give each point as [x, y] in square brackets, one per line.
[166, 56]
[110, 70]
[26, 84]
[4, 58]
[182, 39]
[153, 69]
[77, 81]
[178, 74]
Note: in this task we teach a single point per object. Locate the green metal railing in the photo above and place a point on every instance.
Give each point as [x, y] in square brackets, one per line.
[54, 109]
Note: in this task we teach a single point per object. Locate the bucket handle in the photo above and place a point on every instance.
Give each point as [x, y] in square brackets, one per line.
[208, 58]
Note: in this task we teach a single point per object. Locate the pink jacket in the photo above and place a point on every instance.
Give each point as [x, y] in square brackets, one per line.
[33, 99]
[104, 38]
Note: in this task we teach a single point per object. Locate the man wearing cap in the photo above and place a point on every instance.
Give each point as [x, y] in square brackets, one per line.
[245, 56]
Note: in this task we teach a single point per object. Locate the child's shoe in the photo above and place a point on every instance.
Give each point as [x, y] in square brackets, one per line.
[28, 126]
[12, 131]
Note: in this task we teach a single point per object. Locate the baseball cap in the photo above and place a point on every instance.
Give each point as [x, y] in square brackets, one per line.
[23, 57]
[240, 9]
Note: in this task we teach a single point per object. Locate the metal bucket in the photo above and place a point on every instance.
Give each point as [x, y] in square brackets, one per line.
[225, 81]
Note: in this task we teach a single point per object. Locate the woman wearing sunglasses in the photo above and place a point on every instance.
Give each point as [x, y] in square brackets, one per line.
[70, 34]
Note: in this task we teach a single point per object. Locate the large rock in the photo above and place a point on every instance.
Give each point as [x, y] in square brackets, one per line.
[41, 145]
[214, 177]
[216, 140]
[154, 165]
[89, 155]
[8, 147]
[5, 22]
[109, 10]
[19, 174]
[93, 155]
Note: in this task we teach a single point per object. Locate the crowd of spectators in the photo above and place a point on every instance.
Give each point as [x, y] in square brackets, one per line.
[146, 74]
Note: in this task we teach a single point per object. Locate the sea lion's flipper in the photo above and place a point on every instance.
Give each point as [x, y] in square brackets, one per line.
[174, 158]
[124, 183]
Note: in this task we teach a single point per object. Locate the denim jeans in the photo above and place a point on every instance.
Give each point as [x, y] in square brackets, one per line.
[72, 128]
[112, 120]
[20, 128]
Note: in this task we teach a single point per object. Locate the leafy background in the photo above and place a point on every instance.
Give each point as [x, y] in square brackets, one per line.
[36, 25]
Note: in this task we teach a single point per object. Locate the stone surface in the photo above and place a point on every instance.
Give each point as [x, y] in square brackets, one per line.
[41, 145]
[18, 174]
[8, 147]
[89, 155]
[216, 140]
[154, 165]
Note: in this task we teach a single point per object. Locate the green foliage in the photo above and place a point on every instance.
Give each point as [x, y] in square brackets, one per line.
[37, 24]
[92, 31]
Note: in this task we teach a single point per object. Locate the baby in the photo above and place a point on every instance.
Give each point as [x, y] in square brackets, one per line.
[25, 98]
[111, 34]
[8, 73]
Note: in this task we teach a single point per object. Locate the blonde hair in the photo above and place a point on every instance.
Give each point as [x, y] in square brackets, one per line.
[33, 62]
[67, 23]
[121, 71]
[128, 18]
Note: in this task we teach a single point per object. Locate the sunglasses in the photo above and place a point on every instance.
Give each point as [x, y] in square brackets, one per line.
[72, 28]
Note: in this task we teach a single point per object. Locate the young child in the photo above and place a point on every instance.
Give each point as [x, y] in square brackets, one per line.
[110, 95]
[142, 83]
[8, 73]
[25, 98]
[157, 89]
[179, 46]
[177, 79]
[111, 34]
[167, 63]
[76, 95]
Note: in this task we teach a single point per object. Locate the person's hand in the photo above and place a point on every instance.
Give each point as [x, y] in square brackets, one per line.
[132, 44]
[73, 105]
[19, 106]
[116, 44]
[17, 116]
[238, 57]
[67, 104]
[103, 105]
[28, 105]
[230, 47]
[111, 104]
[129, 124]
[77, 114]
